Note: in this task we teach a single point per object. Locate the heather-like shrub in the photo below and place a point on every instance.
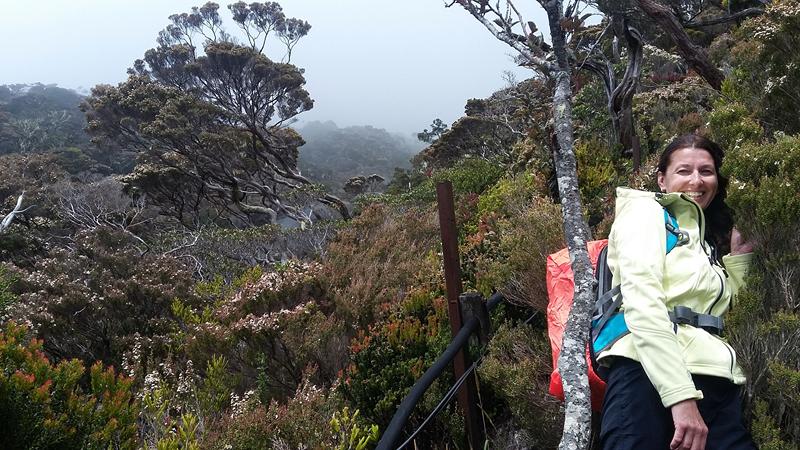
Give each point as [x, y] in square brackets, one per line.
[520, 244]
[765, 67]
[763, 191]
[387, 360]
[44, 405]
[671, 110]
[765, 320]
[517, 369]
[301, 422]
[89, 301]
[7, 296]
[377, 258]
[271, 329]
[227, 252]
[178, 404]
[24, 244]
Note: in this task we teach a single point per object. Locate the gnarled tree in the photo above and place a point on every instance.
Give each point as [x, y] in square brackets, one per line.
[210, 123]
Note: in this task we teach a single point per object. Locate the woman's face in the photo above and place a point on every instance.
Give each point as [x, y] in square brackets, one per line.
[691, 171]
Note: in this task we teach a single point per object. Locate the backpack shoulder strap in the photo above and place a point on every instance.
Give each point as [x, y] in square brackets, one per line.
[608, 300]
[675, 236]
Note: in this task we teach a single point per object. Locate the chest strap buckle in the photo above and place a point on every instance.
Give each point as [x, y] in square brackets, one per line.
[683, 315]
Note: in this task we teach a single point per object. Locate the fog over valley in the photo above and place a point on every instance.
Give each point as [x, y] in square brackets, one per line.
[391, 65]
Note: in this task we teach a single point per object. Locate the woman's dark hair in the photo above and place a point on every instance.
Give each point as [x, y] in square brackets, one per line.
[719, 219]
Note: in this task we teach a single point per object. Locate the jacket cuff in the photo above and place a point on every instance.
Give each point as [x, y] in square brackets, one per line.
[739, 262]
[674, 396]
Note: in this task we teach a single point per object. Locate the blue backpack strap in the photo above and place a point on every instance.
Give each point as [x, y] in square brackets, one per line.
[608, 322]
[675, 236]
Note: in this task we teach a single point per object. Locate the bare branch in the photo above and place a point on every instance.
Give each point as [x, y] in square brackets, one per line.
[10, 216]
[749, 12]
[693, 54]
[501, 29]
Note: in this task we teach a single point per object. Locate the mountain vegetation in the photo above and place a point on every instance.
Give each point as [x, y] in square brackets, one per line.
[152, 294]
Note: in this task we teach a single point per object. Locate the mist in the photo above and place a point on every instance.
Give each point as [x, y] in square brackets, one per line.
[391, 65]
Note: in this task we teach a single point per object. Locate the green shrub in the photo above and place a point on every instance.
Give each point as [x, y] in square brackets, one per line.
[468, 175]
[732, 123]
[388, 359]
[349, 433]
[517, 370]
[509, 195]
[765, 77]
[598, 176]
[765, 319]
[44, 406]
[765, 179]
[514, 261]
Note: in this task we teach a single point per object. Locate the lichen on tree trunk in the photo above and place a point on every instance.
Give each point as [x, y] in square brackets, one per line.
[572, 359]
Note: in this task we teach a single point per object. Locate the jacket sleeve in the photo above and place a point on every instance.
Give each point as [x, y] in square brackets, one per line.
[737, 267]
[637, 245]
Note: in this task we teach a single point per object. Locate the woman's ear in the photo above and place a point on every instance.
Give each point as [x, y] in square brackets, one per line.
[661, 184]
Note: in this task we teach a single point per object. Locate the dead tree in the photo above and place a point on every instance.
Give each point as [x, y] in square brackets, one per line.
[6, 222]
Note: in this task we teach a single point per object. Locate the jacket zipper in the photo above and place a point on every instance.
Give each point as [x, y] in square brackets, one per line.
[702, 224]
[730, 352]
[721, 288]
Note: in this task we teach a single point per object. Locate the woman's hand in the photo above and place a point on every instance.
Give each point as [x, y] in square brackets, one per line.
[690, 429]
[738, 244]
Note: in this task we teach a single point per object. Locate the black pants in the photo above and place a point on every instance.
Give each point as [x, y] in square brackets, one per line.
[634, 418]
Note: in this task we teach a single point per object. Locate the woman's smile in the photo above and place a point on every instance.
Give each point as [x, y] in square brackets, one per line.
[691, 171]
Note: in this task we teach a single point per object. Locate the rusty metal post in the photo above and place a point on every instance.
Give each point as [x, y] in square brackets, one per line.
[452, 277]
[473, 305]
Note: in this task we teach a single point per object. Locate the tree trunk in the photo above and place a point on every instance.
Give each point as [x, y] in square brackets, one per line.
[572, 360]
[622, 97]
[693, 54]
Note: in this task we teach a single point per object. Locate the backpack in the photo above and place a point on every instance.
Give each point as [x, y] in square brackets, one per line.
[608, 323]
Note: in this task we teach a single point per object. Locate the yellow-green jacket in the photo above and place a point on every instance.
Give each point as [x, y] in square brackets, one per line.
[654, 282]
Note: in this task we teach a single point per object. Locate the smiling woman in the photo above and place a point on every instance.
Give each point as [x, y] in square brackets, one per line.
[673, 382]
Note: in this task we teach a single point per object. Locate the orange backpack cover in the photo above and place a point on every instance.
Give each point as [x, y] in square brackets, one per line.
[560, 289]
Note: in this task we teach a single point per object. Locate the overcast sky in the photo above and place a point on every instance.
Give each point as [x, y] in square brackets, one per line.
[394, 64]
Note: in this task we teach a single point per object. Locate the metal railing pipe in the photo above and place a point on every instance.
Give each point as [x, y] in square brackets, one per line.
[392, 434]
